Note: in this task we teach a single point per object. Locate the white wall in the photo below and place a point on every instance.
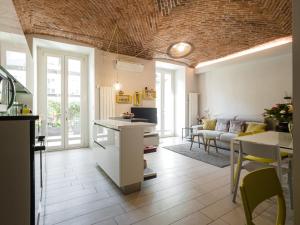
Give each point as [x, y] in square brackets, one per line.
[12, 38]
[247, 87]
[191, 86]
[9, 21]
[105, 72]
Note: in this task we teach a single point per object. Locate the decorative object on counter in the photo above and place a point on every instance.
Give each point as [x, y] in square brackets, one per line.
[123, 99]
[137, 98]
[16, 109]
[26, 110]
[282, 113]
[127, 115]
[149, 94]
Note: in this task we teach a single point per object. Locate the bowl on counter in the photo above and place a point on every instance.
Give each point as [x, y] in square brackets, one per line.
[127, 115]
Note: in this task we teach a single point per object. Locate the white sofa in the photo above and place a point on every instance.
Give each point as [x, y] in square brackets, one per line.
[224, 138]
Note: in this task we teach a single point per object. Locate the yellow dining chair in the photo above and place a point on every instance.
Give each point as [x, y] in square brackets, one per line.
[259, 186]
[258, 153]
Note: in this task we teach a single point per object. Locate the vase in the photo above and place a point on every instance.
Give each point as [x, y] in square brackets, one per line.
[283, 127]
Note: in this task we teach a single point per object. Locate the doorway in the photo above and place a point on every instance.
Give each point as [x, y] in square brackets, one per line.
[62, 99]
[165, 102]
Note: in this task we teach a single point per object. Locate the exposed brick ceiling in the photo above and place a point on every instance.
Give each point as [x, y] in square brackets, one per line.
[146, 28]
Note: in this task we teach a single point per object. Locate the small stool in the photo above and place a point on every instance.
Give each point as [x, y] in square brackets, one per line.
[192, 140]
[207, 140]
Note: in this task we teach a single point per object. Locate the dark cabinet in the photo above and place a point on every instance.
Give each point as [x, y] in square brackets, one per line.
[20, 197]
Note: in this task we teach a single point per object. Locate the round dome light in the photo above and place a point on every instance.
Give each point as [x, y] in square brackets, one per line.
[180, 49]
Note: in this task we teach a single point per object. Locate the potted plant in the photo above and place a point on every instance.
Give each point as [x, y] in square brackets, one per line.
[283, 114]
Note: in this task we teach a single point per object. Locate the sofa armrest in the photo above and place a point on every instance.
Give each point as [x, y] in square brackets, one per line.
[197, 127]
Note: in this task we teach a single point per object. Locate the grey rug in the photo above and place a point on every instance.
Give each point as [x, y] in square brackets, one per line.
[220, 159]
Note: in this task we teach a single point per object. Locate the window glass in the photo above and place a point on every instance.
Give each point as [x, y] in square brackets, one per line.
[16, 65]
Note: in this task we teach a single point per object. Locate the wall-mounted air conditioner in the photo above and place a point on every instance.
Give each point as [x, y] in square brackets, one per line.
[129, 66]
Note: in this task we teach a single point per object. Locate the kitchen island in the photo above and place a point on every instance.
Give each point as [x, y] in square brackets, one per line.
[119, 149]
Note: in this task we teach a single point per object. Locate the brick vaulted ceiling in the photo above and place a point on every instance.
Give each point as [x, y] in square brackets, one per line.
[146, 28]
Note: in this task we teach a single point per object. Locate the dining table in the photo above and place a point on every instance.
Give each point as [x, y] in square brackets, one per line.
[281, 139]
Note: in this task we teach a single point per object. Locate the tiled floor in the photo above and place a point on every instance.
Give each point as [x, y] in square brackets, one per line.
[186, 192]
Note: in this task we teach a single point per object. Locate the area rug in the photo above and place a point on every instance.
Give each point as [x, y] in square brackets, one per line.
[220, 159]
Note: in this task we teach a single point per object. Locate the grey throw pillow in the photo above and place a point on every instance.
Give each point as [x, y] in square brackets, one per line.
[236, 126]
[222, 125]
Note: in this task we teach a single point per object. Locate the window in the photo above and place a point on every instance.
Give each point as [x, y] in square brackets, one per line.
[165, 102]
[16, 64]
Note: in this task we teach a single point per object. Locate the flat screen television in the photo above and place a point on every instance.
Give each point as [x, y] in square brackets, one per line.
[145, 113]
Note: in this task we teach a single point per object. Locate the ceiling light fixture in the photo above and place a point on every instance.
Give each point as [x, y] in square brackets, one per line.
[117, 85]
[180, 49]
[268, 45]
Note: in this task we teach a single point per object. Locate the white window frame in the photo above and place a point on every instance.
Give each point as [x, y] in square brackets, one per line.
[6, 46]
[163, 71]
[42, 54]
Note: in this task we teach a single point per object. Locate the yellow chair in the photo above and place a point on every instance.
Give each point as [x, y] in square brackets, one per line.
[258, 159]
[259, 186]
[258, 153]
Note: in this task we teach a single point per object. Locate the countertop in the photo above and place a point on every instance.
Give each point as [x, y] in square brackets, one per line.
[19, 117]
[118, 124]
[129, 120]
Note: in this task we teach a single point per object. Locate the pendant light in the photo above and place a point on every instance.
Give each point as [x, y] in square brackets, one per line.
[117, 85]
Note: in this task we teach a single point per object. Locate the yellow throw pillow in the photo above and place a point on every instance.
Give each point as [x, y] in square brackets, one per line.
[249, 133]
[209, 124]
[256, 127]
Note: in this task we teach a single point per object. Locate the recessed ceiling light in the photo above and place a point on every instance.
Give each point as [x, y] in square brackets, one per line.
[180, 49]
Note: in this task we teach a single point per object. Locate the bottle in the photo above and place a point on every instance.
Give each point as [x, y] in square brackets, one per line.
[25, 110]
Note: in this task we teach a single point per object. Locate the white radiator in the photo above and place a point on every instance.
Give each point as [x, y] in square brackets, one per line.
[107, 102]
[193, 108]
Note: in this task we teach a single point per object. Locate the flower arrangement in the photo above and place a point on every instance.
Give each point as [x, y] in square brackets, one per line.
[280, 112]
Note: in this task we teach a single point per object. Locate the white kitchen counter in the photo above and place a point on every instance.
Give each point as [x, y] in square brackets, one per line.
[119, 150]
[117, 124]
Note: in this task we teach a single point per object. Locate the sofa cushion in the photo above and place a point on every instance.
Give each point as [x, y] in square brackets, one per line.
[222, 125]
[210, 133]
[227, 137]
[255, 127]
[209, 124]
[236, 126]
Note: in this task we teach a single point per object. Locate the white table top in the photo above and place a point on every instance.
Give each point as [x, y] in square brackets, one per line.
[283, 140]
[117, 124]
